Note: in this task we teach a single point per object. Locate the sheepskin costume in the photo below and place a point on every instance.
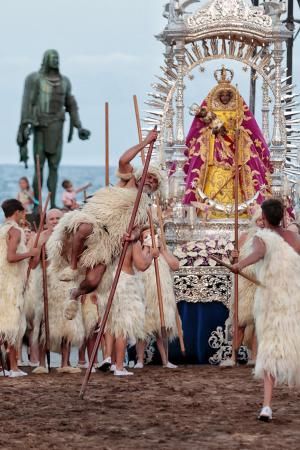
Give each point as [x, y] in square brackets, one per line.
[246, 288]
[34, 302]
[277, 311]
[12, 282]
[127, 315]
[60, 328]
[109, 212]
[152, 316]
[90, 314]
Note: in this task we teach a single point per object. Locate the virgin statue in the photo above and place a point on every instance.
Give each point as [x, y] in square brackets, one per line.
[211, 145]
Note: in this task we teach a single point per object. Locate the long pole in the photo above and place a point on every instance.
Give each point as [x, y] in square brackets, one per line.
[290, 24]
[117, 275]
[236, 230]
[138, 124]
[252, 100]
[158, 288]
[46, 307]
[224, 185]
[39, 180]
[40, 229]
[242, 274]
[2, 362]
[106, 144]
[44, 269]
[164, 246]
[156, 267]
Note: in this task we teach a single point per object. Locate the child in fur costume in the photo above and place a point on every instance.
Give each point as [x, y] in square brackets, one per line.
[13, 269]
[126, 318]
[276, 308]
[166, 263]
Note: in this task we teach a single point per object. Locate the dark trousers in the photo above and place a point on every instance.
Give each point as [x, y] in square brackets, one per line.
[47, 144]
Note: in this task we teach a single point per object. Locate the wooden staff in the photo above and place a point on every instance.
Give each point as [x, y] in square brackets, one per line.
[46, 307]
[164, 246]
[2, 362]
[224, 185]
[236, 231]
[106, 144]
[242, 274]
[156, 267]
[44, 268]
[158, 287]
[40, 229]
[39, 180]
[138, 124]
[117, 275]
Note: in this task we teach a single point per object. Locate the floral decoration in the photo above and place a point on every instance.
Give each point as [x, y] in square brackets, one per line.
[196, 253]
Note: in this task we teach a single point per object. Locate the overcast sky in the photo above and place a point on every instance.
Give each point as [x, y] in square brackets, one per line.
[107, 49]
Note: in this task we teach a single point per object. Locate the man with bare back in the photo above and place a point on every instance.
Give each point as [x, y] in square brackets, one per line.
[127, 315]
[276, 253]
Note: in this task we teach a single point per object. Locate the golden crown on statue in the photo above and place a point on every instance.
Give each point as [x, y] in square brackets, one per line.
[223, 75]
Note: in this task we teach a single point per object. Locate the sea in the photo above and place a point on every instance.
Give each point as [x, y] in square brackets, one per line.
[79, 175]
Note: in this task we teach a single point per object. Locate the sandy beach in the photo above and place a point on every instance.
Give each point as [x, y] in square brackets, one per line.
[194, 407]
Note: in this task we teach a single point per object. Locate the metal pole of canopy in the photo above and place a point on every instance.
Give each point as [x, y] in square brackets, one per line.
[253, 79]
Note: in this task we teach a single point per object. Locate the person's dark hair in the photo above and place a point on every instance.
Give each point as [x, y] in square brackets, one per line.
[66, 183]
[11, 206]
[26, 181]
[273, 211]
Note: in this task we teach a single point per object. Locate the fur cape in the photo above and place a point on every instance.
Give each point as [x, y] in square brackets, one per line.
[109, 212]
[71, 331]
[90, 314]
[277, 311]
[246, 288]
[127, 315]
[34, 302]
[12, 282]
[152, 316]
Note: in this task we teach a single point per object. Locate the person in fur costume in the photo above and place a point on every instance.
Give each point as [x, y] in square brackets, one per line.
[126, 318]
[63, 333]
[166, 263]
[13, 269]
[246, 329]
[97, 230]
[35, 300]
[276, 253]
[31, 293]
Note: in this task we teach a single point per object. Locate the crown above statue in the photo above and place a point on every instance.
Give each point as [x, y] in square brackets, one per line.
[223, 75]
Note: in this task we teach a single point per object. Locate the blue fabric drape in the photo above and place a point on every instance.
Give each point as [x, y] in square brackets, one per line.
[199, 320]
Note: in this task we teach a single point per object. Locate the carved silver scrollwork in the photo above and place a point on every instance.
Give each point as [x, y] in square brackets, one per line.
[203, 285]
[220, 342]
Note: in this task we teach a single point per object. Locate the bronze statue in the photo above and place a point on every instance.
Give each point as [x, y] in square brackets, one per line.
[47, 97]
